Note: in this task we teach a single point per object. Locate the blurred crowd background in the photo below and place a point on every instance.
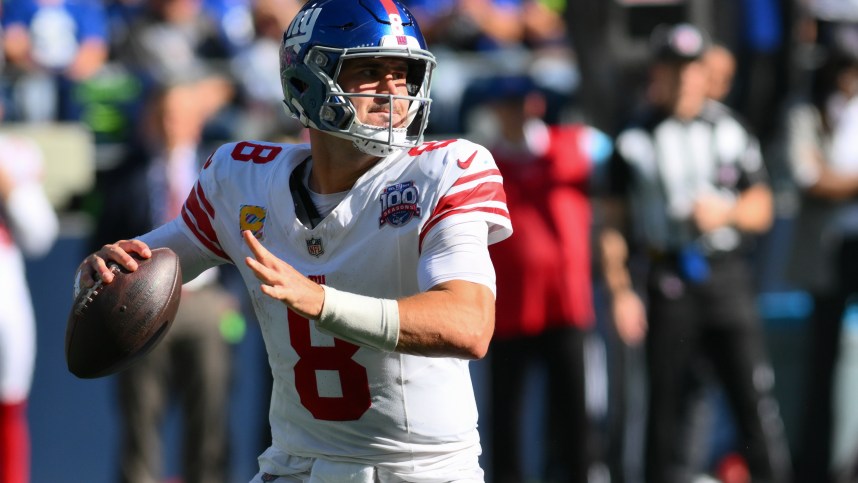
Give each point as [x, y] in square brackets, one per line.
[104, 87]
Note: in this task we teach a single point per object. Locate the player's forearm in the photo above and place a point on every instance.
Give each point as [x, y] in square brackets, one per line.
[193, 259]
[454, 319]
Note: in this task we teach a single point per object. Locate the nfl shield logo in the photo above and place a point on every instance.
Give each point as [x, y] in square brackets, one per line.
[314, 247]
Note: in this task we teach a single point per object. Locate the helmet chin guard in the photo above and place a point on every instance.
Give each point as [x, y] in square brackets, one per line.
[326, 33]
[392, 138]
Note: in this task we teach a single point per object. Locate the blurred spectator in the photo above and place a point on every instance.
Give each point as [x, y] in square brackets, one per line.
[234, 21]
[695, 188]
[481, 38]
[228, 22]
[28, 227]
[761, 81]
[832, 10]
[488, 24]
[545, 310]
[721, 65]
[53, 45]
[174, 41]
[193, 362]
[258, 78]
[821, 133]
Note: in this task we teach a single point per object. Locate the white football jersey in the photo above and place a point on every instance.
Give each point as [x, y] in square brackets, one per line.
[331, 398]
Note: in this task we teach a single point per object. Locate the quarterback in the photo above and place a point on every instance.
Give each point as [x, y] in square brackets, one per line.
[365, 253]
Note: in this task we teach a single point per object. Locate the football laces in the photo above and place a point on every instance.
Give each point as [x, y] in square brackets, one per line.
[87, 297]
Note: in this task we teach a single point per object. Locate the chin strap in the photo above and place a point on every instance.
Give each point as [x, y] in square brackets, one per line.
[373, 148]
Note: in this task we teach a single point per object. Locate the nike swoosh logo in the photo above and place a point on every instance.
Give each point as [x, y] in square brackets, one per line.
[467, 163]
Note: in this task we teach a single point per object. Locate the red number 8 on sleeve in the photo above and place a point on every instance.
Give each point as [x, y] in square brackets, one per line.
[255, 153]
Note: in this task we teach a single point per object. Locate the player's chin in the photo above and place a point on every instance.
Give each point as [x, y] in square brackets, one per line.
[383, 121]
[378, 121]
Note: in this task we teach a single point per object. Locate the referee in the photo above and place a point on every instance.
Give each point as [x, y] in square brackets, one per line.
[691, 186]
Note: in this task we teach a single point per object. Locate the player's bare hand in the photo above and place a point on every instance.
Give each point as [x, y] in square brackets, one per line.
[97, 265]
[282, 282]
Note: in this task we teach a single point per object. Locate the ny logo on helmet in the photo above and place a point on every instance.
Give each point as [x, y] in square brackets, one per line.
[302, 27]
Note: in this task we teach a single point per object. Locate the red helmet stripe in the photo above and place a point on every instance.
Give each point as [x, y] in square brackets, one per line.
[393, 16]
[390, 7]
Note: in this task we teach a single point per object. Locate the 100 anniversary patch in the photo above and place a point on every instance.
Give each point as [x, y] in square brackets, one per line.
[399, 204]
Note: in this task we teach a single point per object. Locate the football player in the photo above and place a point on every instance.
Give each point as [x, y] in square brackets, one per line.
[365, 253]
[28, 229]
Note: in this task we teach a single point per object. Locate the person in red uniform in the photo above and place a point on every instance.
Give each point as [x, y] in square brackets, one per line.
[545, 301]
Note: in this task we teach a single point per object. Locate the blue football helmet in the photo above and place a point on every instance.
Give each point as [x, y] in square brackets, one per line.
[325, 33]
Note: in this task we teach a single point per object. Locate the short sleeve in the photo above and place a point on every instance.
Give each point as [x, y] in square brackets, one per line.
[476, 194]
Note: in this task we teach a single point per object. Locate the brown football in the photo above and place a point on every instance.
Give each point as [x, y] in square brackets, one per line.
[112, 325]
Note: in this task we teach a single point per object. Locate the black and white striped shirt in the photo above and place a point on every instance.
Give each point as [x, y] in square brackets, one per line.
[663, 164]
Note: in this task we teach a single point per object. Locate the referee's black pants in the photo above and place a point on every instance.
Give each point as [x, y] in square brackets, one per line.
[714, 322]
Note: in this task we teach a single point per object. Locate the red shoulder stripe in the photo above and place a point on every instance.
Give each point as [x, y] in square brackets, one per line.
[205, 241]
[200, 224]
[208, 206]
[468, 201]
[479, 194]
[482, 174]
[431, 223]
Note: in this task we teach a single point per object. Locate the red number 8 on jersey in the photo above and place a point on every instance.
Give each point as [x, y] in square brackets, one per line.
[355, 397]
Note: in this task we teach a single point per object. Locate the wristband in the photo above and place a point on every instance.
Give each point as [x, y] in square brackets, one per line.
[362, 320]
